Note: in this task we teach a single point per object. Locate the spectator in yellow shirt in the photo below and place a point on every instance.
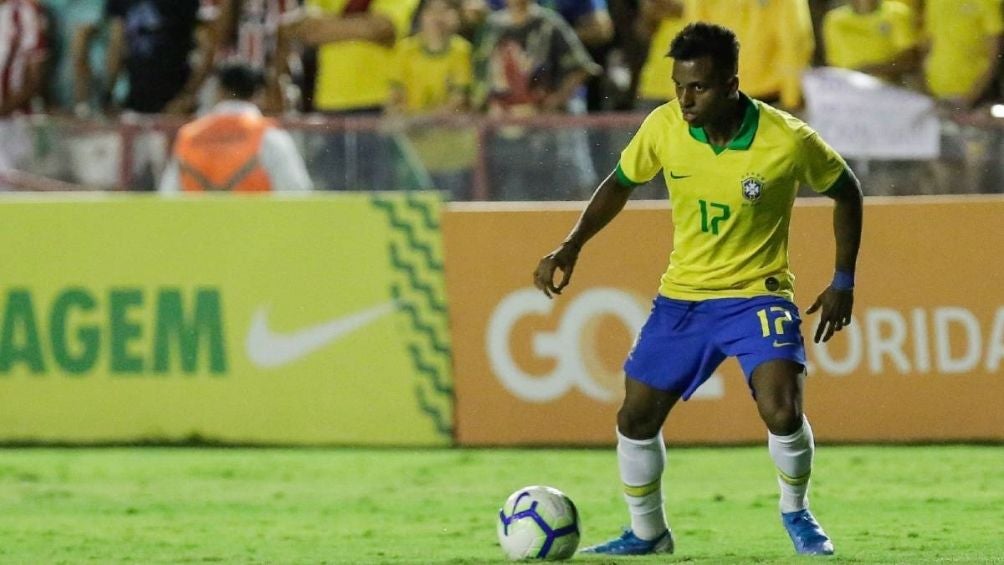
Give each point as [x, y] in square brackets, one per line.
[872, 36]
[778, 31]
[964, 47]
[431, 80]
[660, 21]
[354, 41]
[432, 68]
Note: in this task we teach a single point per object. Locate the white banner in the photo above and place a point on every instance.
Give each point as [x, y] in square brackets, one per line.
[865, 118]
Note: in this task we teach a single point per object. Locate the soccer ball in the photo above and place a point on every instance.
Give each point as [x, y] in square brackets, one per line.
[538, 522]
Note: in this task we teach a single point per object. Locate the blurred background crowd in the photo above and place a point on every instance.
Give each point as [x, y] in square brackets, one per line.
[483, 99]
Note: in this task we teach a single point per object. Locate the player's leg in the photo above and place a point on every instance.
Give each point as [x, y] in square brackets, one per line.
[765, 334]
[777, 385]
[670, 359]
[641, 459]
[641, 455]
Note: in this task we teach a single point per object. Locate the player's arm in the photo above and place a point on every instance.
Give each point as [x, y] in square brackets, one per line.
[595, 29]
[558, 100]
[796, 43]
[982, 83]
[29, 44]
[208, 41]
[314, 28]
[906, 61]
[114, 55]
[33, 83]
[606, 203]
[837, 301]
[80, 47]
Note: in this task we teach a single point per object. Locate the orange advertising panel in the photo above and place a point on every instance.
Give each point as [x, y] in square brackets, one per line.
[921, 361]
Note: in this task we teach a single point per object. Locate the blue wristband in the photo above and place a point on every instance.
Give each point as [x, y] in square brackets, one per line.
[843, 280]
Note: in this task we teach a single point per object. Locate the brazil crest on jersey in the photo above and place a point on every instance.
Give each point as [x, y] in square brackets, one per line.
[731, 205]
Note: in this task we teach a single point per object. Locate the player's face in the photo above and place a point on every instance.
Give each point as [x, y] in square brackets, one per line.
[704, 91]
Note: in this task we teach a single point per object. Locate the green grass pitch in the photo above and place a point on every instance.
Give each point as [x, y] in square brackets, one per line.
[881, 504]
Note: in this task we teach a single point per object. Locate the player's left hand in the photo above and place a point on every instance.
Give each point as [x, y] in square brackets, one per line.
[836, 308]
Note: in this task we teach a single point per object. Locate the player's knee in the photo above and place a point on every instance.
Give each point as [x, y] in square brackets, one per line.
[781, 418]
[781, 412]
[637, 424]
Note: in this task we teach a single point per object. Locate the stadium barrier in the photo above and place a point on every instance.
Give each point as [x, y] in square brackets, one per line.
[322, 320]
[547, 158]
[920, 362]
[284, 320]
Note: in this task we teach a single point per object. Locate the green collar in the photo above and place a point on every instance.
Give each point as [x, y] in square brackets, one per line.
[747, 130]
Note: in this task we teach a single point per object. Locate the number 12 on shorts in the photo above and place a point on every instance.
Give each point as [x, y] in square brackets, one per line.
[779, 315]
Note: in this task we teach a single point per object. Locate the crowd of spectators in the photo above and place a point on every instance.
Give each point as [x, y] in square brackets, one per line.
[439, 58]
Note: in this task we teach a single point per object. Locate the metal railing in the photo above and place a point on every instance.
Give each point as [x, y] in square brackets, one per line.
[554, 157]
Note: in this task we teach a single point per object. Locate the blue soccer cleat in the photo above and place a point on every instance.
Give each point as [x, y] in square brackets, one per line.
[630, 544]
[806, 533]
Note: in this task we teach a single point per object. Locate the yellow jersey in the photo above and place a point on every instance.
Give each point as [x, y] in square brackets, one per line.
[857, 40]
[656, 79]
[428, 78]
[354, 75]
[958, 31]
[731, 205]
[775, 35]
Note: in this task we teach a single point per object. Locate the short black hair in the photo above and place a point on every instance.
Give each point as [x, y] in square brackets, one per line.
[240, 80]
[701, 39]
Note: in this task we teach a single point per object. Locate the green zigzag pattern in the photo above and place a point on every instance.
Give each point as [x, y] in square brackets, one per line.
[418, 325]
[408, 229]
[434, 374]
[442, 423]
[423, 300]
[427, 291]
[430, 222]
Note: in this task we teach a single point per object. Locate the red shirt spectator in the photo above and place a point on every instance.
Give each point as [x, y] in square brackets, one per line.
[22, 58]
[22, 53]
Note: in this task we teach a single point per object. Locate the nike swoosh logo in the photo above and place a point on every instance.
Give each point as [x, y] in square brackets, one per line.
[678, 177]
[784, 343]
[268, 350]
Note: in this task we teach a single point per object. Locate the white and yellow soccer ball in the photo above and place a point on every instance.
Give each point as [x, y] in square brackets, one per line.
[538, 522]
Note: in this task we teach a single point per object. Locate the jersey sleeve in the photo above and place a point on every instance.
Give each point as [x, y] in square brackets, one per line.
[462, 75]
[640, 161]
[820, 166]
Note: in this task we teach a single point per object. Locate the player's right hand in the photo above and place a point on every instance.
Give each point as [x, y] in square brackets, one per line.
[564, 258]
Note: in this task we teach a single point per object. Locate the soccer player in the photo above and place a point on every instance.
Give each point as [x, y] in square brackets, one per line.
[733, 165]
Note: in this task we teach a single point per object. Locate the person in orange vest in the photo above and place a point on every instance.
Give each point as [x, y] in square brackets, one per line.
[234, 148]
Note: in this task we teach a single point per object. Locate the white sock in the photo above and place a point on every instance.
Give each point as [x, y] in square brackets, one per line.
[641, 463]
[792, 456]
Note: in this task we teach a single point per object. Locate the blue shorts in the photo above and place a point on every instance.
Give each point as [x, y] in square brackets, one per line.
[684, 341]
